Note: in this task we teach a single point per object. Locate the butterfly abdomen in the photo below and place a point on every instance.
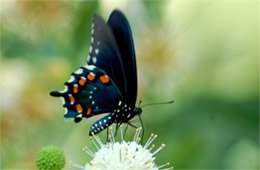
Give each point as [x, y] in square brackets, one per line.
[101, 124]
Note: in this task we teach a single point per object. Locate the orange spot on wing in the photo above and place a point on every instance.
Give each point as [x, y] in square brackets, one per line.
[104, 79]
[82, 81]
[79, 108]
[89, 112]
[75, 88]
[91, 76]
[72, 99]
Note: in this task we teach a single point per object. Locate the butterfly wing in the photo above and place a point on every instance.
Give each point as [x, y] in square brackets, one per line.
[123, 35]
[104, 53]
[89, 92]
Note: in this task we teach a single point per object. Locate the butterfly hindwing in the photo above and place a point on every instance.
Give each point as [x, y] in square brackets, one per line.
[89, 92]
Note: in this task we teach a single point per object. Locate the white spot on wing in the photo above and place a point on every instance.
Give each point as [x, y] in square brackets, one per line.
[65, 89]
[83, 77]
[92, 40]
[93, 102]
[96, 51]
[98, 43]
[72, 78]
[63, 100]
[90, 97]
[88, 58]
[119, 103]
[94, 60]
[90, 49]
[65, 110]
[90, 67]
[79, 71]
[79, 115]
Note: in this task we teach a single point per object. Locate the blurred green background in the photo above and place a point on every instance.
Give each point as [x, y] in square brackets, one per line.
[201, 53]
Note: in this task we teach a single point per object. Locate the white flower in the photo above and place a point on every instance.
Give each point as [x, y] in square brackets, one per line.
[123, 155]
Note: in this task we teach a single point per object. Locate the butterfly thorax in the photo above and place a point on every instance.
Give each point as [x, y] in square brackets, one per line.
[123, 113]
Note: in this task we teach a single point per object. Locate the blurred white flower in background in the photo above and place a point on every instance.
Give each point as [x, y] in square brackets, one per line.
[123, 155]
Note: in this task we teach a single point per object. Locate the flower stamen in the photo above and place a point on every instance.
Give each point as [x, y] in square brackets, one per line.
[121, 132]
[97, 139]
[76, 165]
[151, 147]
[137, 133]
[164, 165]
[94, 143]
[88, 151]
[160, 148]
[150, 140]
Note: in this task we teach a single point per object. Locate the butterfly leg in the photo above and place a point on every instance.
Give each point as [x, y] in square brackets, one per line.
[142, 128]
[107, 136]
[125, 130]
[117, 127]
[128, 124]
[131, 125]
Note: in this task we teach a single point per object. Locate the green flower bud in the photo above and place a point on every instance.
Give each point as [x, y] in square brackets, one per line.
[50, 158]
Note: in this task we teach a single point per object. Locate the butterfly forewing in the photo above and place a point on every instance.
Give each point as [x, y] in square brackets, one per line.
[123, 35]
[104, 53]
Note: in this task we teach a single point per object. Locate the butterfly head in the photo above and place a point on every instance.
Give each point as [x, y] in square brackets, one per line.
[137, 111]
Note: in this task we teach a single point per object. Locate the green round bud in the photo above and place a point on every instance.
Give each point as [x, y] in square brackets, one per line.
[50, 157]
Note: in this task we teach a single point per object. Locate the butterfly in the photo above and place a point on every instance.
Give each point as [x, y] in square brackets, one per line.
[108, 82]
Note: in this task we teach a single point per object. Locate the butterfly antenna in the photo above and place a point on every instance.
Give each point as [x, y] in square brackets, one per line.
[159, 103]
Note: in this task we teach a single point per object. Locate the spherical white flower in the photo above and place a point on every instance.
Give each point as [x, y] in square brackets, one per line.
[123, 155]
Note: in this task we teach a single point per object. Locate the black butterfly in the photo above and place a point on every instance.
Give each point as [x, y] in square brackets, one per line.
[108, 83]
